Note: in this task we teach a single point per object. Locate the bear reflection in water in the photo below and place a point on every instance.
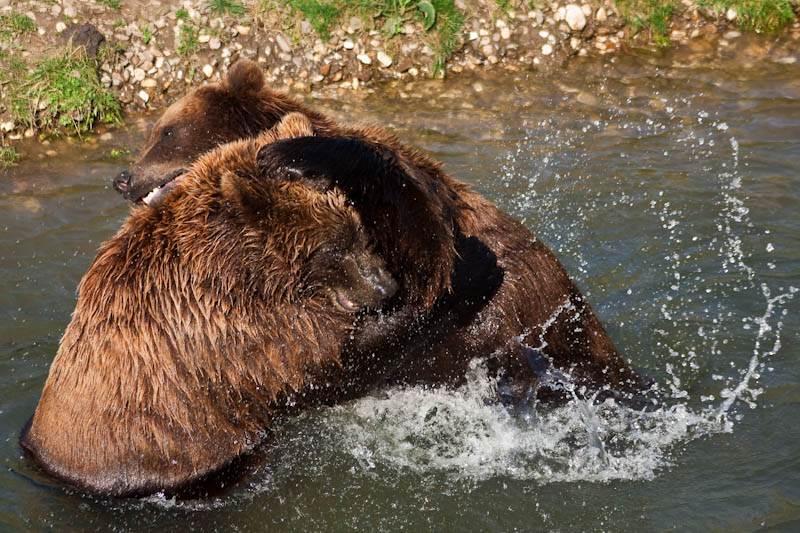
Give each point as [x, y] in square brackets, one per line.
[203, 320]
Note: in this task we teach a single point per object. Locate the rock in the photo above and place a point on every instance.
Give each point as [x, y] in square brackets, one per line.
[384, 59]
[575, 43]
[149, 83]
[601, 15]
[733, 34]
[348, 44]
[84, 35]
[364, 58]
[283, 43]
[325, 69]
[544, 34]
[587, 9]
[138, 75]
[203, 39]
[214, 43]
[208, 70]
[574, 17]
[547, 49]
[7, 126]
[243, 30]
[355, 24]
[305, 27]
[60, 26]
[69, 12]
[144, 96]
[473, 36]
[731, 14]
[505, 33]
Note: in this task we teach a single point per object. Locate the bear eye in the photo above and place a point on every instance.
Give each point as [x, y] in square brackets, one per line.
[168, 132]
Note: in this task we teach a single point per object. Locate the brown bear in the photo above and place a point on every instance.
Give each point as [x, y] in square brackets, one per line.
[530, 306]
[199, 323]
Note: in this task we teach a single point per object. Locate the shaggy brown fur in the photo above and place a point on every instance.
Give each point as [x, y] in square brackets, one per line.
[198, 324]
[413, 225]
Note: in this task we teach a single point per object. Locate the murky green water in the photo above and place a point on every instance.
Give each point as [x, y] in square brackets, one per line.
[673, 197]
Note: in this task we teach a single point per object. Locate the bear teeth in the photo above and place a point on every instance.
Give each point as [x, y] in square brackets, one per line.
[151, 195]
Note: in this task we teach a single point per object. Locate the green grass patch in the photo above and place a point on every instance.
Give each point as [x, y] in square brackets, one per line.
[113, 4]
[188, 41]
[8, 157]
[767, 16]
[321, 14]
[60, 93]
[15, 24]
[651, 15]
[226, 7]
[147, 34]
[119, 153]
[449, 23]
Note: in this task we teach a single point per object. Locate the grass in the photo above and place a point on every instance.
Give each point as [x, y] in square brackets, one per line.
[119, 153]
[8, 157]
[147, 33]
[113, 4]
[188, 43]
[15, 24]
[226, 7]
[762, 16]
[60, 93]
[652, 15]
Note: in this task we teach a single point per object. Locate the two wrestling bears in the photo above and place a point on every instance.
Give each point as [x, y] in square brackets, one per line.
[281, 261]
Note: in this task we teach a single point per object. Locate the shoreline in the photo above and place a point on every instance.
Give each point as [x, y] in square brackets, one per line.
[144, 57]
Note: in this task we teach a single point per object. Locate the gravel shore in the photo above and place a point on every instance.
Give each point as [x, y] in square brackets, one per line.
[150, 53]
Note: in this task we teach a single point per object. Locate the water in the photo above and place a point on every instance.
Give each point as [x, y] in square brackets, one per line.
[671, 195]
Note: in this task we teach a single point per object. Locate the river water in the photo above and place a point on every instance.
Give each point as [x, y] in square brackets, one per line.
[671, 192]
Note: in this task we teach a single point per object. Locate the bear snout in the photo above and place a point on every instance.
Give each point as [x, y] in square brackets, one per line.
[123, 183]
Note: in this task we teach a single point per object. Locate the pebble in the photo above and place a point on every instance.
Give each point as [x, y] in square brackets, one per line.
[544, 34]
[574, 17]
[204, 38]
[364, 58]
[69, 12]
[384, 59]
[138, 75]
[601, 15]
[149, 83]
[348, 45]
[208, 70]
[731, 14]
[547, 49]
[733, 34]
[215, 43]
[283, 43]
[473, 36]
[243, 30]
[505, 33]
[144, 96]
[60, 26]
[7, 126]
[575, 43]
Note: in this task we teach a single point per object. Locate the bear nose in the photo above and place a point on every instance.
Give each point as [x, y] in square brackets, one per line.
[123, 181]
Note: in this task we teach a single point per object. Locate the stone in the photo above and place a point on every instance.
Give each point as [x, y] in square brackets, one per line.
[473, 36]
[305, 27]
[243, 30]
[283, 43]
[355, 24]
[149, 83]
[384, 59]
[731, 14]
[505, 33]
[574, 17]
[601, 15]
[138, 75]
[144, 96]
[733, 34]
[7, 126]
[60, 26]
[214, 43]
[348, 44]
[84, 35]
[364, 58]
[325, 69]
[547, 49]
[587, 10]
[575, 43]
[203, 39]
[208, 70]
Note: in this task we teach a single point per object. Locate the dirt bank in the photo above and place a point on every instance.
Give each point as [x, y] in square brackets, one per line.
[143, 55]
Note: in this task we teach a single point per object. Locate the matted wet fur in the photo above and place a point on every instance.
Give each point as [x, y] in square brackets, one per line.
[202, 321]
[536, 305]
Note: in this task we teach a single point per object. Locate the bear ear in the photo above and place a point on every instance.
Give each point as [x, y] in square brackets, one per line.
[245, 77]
[239, 193]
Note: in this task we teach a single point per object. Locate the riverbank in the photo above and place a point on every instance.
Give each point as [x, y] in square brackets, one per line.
[70, 65]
